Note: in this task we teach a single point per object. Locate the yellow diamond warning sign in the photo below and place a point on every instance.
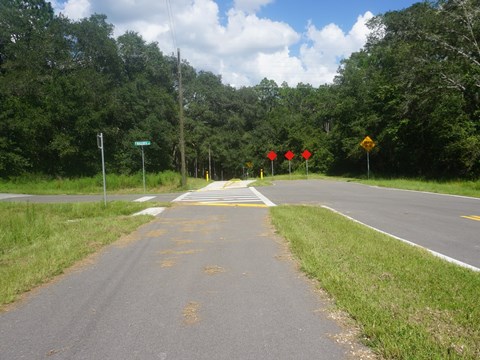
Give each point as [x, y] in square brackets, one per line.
[367, 144]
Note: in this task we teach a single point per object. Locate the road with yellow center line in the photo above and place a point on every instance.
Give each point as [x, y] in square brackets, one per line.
[472, 217]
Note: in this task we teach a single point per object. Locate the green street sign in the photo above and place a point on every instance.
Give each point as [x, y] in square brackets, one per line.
[142, 143]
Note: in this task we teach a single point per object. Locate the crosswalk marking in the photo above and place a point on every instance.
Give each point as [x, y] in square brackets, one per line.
[226, 197]
[472, 217]
[145, 198]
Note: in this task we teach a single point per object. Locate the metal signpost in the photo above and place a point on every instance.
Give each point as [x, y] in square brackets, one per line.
[289, 155]
[368, 145]
[306, 155]
[142, 144]
[100, 146]
[272, 156]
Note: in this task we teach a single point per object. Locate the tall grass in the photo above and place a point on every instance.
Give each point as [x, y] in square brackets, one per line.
[408, 303]
[167, 181]
[38, 241]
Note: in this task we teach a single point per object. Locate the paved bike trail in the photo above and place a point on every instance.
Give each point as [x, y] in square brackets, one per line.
[198, 282]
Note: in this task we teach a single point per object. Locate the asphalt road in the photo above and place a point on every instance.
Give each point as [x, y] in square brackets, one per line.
[433, 221]
[430, 220]
[199, 282]
[81, 198]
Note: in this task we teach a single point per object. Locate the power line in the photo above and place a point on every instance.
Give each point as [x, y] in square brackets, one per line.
[171, 22]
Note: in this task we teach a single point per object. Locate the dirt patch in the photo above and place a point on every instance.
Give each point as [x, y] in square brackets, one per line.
[213, 270]
[284, 257]
[168, 263]
[156, 233]
[179, 252]
[349, 336]
[185, 222]
[126, 240]
[183, 242]
[189, 226]
[190, 313]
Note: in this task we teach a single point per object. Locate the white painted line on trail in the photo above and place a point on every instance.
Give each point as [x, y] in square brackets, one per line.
[11, 196]
[181, 197]
[262, 197]
[441, 256]
[145, 198]
[154, 211]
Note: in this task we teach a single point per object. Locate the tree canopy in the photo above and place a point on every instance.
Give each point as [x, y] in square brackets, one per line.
[414, 88]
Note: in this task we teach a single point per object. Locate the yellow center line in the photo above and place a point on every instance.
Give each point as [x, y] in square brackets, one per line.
[231, 182]
[472, 217]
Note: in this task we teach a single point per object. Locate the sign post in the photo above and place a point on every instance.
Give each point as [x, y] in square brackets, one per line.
[142, 144]
[100, 146]
[368, 145]
[289, 155]
[306, 155]
[272, 156]
[249, 166]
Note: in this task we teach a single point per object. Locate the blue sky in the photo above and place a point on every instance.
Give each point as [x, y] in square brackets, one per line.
[344, 13]
[245, 41]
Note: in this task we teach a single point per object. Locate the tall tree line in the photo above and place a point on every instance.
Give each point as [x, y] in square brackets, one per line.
[414, 88]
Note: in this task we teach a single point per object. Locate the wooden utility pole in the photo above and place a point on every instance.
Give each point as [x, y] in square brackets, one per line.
[181, 122]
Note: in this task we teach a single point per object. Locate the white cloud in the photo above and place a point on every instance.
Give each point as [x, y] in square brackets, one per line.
[329, 45]
[251, 6]
[242, 47]
[248, 33]
[74, 9]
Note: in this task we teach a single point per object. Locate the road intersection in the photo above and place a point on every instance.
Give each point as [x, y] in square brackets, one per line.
[213, 281]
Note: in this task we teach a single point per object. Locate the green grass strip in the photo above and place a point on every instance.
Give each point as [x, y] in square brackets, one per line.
[409, 304]
[164, 182]
[39, 241]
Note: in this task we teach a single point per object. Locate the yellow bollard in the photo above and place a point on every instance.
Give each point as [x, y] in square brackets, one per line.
[207, 175]
[261, 174]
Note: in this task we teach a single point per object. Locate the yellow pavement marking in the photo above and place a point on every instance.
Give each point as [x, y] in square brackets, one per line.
[472, 217]
[224, 204]
[231, 182]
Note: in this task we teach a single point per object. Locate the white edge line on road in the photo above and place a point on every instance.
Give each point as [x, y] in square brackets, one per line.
[154, 211]
[444, 257]
[265, 200]
[145, 198]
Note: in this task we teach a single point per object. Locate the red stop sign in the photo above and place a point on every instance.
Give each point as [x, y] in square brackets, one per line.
[306, 154]
[289, 155]
[271, 155]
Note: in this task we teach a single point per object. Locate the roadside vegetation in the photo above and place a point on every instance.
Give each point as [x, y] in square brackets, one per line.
[408, 303]
[39, 241]
[169, 182]
[413, 88]
[163, 182]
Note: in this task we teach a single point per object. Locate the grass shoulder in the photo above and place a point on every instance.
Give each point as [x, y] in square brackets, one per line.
[158, 183]
[408, 303]
[39, 241]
